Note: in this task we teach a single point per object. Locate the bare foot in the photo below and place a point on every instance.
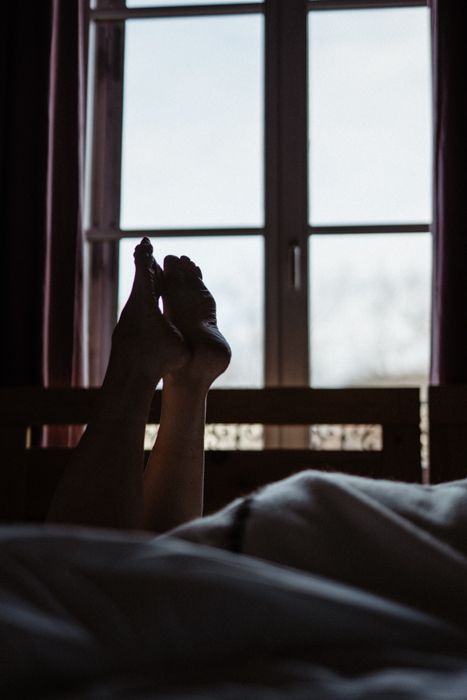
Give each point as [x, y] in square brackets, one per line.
[192, 309]
[143, 338]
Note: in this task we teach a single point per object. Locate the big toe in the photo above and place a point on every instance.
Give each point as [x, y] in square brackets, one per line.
[148, 272]
[143, 250]
[172, 268]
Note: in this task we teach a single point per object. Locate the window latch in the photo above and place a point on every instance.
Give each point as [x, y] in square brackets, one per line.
[294, 265]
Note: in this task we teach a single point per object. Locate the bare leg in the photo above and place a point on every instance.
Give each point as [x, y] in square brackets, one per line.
[174, 476]
[102, 484]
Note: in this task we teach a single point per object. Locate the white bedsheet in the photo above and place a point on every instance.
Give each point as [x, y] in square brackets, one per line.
[407, 542]
[130, 616]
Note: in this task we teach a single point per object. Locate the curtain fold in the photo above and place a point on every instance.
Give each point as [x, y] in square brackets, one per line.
[63, 356]
[64, 336]
[449, 323]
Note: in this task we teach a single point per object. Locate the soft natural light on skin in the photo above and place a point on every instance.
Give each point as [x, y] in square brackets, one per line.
[370, 116]
[370, 299]
[233, 270]
[193, 123]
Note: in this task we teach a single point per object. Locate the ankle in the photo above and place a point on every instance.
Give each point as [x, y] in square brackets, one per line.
[185, 382]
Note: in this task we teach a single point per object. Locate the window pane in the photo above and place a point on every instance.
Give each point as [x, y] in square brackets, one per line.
[370, 116]
[233, 271]
[193, 123]
[370, 302]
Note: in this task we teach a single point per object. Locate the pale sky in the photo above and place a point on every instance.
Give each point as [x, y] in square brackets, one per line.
[193, 123]
[370, 118]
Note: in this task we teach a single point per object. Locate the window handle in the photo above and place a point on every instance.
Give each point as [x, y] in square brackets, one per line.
[294, 265]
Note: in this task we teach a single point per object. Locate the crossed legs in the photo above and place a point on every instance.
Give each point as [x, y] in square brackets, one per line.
[103, 484]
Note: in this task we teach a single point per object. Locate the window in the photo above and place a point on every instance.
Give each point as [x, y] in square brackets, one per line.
[370, 163]
[286, 146]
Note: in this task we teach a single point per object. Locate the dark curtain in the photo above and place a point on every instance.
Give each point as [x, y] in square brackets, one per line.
[25, 37]
[64, 284]
[42, 79]
[449, 348]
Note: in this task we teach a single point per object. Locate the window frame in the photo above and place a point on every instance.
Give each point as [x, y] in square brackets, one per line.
[286, 230]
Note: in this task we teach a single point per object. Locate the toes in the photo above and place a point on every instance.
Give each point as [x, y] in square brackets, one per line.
[190, 267]
[143, 249]
[148, 273]
[179, 267]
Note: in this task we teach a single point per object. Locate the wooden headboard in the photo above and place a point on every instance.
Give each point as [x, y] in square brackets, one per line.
[448, 432]
[29, 475]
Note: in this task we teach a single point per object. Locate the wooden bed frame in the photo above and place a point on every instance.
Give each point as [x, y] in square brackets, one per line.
[29, 475]
[448, 432]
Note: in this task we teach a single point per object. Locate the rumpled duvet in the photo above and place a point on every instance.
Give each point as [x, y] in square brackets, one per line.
[320, 586]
